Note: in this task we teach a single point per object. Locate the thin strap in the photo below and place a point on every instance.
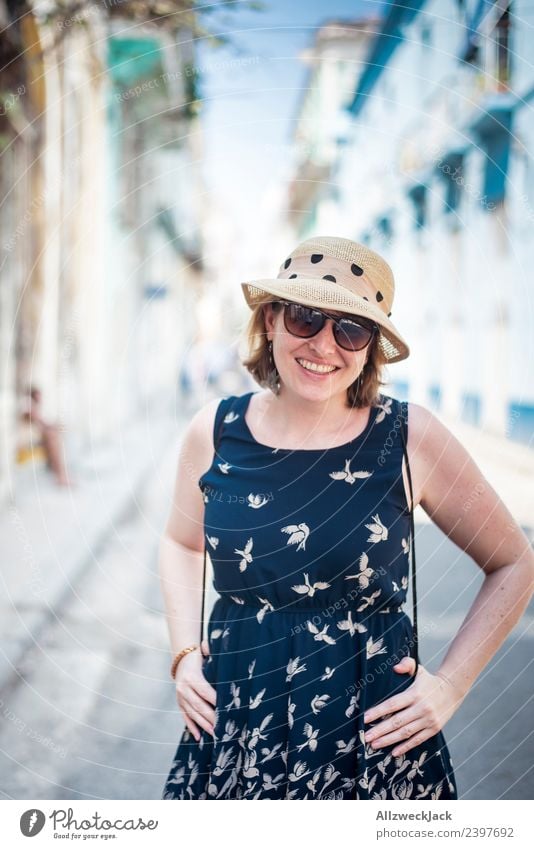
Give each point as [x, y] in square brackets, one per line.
[217, 431]
[403, 429]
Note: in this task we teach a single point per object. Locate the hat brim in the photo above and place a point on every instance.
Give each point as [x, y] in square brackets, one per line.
[312, 292]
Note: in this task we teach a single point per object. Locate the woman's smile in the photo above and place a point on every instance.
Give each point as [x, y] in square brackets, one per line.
[316, 369]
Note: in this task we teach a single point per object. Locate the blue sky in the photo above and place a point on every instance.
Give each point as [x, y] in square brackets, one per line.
[249, 109]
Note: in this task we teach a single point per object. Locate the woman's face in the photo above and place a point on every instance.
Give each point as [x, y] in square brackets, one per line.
[290, 351]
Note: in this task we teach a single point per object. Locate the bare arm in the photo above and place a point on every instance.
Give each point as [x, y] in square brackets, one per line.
[462, 503]
[181, 568]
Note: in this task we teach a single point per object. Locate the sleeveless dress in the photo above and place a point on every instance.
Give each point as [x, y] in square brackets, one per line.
[310, 555]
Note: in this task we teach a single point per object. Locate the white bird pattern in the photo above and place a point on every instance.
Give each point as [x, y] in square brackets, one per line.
[299, 534]
[309, 589]
[352, 627]
[246, 556]
[348, 476]
[385, 410]
[375, 647]
[267, 607]
[256, 501]
[365, 574]
[319, 702]
[320, 635]
[293, 668]
[328, 672]
[379, 531]
[255, 701]
[311, 738]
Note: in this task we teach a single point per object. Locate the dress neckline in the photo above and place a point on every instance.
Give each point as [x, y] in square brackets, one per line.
[373, 412]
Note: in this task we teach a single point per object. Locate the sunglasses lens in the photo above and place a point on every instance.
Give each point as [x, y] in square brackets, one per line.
[352, 336]
[302, 321]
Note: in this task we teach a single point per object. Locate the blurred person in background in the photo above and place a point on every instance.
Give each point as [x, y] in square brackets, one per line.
[43, 434]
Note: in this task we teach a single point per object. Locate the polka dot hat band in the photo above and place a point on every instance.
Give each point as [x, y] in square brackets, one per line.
[333, 273]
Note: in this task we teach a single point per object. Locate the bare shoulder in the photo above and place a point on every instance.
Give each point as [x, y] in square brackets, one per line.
[185, 521]
[428, 441]
[198, 436]
[429, 438]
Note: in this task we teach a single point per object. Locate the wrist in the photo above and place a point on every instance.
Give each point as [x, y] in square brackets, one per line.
[179, 656]
[459, 693]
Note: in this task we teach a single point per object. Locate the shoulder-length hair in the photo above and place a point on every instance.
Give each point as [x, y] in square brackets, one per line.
[365, 390]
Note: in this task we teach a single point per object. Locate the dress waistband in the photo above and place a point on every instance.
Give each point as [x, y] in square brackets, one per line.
[328, 609]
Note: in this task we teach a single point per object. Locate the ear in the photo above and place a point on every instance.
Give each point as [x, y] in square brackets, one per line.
[268, 316]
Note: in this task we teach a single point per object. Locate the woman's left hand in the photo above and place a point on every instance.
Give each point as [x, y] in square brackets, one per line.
[418, 712]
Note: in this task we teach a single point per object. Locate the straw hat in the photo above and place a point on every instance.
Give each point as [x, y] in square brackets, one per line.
[334, 273]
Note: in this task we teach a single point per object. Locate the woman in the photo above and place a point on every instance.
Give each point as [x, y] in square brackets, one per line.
[308, 685]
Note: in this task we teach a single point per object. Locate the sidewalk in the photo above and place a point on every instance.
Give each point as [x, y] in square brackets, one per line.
[50, 535]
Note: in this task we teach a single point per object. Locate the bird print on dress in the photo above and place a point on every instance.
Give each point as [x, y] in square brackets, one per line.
[319, 702]
[320, 635]
[293, 668]
[352, 627]
[328, 672]
[246, 556]
[348, 476]
[375, 647]
[385, 410]
[311, 735]
[310, 589]
[219, 632]
[231, 417]
[353, 704]
[299, 534]
[267, 608]
[255, 701]
[257, 501]
[379, 531]
[295, 660]
[368, 601]
[365, 574]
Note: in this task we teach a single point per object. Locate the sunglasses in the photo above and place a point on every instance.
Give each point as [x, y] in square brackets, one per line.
[350, 332]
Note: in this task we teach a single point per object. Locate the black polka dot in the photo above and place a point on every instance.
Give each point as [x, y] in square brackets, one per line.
[316, 257]
[287, 263]
[329, 277]
[379, 296]
[356, 270]
[291, 276]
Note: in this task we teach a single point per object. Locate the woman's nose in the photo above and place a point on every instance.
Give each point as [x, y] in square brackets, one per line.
[324, 340]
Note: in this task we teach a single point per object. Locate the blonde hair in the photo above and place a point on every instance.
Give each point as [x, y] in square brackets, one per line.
[365, 390]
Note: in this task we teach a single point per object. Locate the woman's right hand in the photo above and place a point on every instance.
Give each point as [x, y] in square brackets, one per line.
[194, 693]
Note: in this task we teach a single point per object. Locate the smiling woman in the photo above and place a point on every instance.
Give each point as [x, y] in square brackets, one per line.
[308, 685]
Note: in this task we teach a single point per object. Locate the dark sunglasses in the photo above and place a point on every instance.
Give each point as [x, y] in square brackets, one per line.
[350, 332]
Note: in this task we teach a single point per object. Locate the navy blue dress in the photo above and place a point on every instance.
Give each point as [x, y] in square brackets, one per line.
[310, 554]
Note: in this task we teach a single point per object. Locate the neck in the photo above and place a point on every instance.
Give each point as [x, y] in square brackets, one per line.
[307, 416]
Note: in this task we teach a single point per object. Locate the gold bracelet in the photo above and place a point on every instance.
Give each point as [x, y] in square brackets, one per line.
[178, 658]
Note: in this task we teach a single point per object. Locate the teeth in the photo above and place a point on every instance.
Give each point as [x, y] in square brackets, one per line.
[315, 367]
